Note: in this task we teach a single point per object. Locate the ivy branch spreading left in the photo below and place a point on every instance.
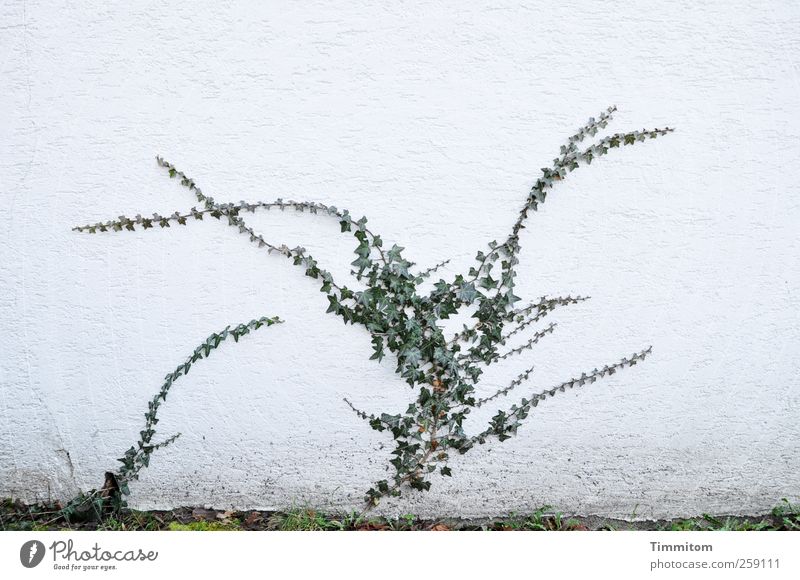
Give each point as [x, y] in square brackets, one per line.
[443, 371]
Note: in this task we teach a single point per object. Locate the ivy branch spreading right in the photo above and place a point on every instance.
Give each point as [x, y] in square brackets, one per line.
[443, 370]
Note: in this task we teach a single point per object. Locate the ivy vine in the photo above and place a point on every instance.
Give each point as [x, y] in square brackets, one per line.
[443, 370]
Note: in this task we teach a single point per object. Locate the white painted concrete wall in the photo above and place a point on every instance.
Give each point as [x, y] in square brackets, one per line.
[434, 123]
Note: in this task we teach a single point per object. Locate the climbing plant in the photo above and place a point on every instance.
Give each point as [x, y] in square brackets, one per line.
[138, 456]
[406, 322]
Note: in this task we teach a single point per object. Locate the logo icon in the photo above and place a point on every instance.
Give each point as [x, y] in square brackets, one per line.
[31, 553]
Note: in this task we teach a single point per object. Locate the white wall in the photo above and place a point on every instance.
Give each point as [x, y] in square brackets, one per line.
[434, 123]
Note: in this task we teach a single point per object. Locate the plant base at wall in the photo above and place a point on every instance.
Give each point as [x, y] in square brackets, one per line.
[20, 517]
[406, 323]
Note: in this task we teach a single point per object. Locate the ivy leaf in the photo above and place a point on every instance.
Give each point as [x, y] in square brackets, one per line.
[377, 345]
[412, 356]
[467, 293]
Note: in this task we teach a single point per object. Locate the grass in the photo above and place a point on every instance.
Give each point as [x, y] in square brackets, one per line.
[785, 516]
[310, 520]
[204, 526]
[542, 520]
[15, 515]
[727, 524]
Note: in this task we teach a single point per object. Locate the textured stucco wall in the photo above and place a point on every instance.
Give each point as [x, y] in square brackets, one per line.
[434, 123]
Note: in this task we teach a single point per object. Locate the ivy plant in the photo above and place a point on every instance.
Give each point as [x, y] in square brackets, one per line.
[406, 323]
